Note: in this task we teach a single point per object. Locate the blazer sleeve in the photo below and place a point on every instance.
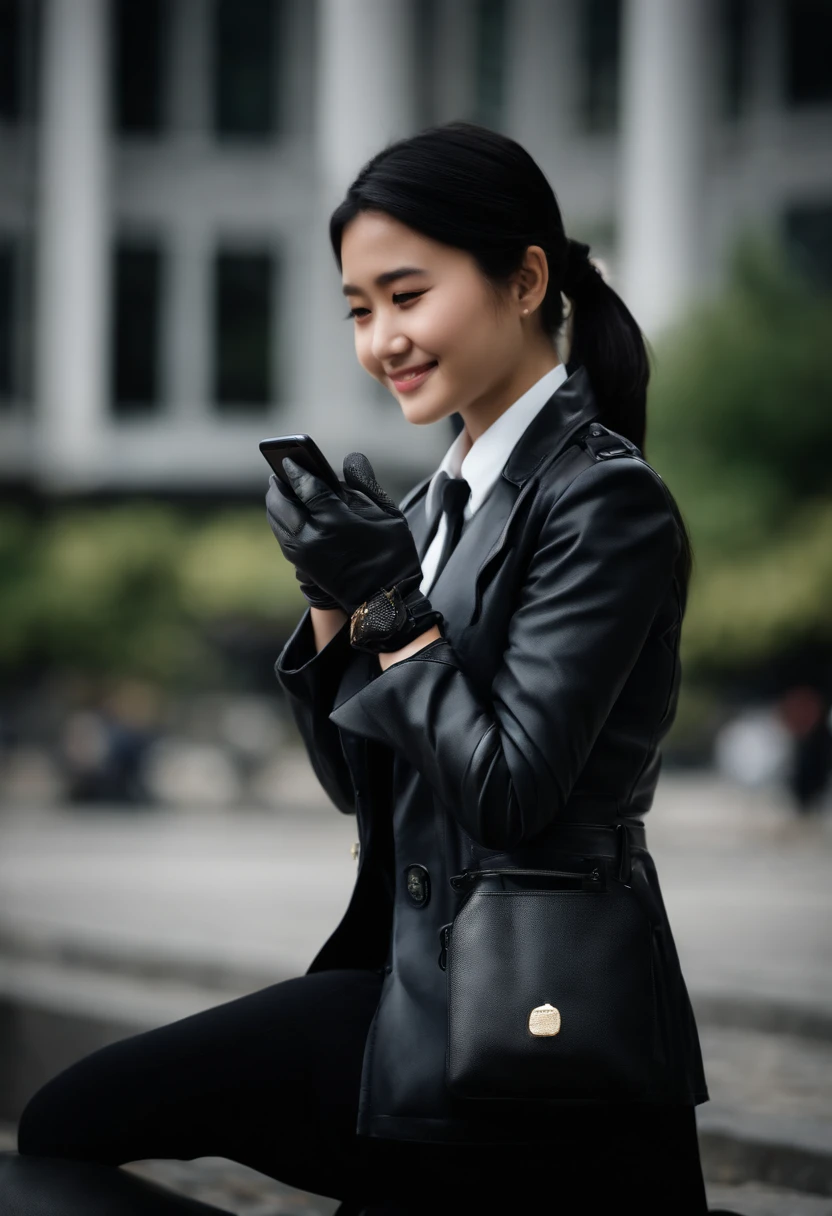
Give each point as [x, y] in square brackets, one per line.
[603, 563]
[310, 679]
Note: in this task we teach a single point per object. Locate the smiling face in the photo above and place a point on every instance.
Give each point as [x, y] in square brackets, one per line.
[484, 353]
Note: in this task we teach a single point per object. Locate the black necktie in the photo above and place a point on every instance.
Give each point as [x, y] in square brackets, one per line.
[454, 493]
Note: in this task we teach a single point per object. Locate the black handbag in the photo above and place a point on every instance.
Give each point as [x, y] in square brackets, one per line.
[551, 988]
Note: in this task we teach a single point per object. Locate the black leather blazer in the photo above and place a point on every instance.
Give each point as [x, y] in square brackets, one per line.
[543, 705]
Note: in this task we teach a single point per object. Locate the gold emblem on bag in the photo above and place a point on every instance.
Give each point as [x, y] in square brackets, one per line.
[544, 1020]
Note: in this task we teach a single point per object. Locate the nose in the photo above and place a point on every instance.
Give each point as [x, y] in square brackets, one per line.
[387, 340]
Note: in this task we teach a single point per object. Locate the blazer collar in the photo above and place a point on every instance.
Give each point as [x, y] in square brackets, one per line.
[481, 463]
[569, 407]
[455, 593]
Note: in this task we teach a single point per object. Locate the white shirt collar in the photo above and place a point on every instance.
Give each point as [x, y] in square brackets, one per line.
[482, 465]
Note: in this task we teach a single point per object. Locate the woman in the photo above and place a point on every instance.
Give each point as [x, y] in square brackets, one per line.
[501, 702]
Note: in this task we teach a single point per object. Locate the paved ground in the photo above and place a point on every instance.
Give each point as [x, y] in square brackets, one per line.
[163, 913]
[747, 888]
[213, 898]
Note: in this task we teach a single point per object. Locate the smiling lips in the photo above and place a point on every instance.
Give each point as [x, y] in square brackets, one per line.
[413, 376]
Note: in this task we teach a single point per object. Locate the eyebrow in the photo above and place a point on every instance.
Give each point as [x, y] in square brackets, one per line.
[381, 280]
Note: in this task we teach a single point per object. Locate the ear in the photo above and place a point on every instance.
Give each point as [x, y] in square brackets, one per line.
[532, 279]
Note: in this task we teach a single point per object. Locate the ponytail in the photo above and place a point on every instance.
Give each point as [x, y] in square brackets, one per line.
[607, 341]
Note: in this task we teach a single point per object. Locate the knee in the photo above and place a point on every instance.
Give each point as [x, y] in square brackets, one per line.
[39, 1128]
[57, 1122]
[80, 1112]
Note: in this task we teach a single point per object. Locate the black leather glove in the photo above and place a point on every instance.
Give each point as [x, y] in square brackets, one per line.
[350, 547]
[314, 595]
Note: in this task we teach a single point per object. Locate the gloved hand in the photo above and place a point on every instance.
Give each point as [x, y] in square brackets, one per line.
[352, 547]
[313, 594]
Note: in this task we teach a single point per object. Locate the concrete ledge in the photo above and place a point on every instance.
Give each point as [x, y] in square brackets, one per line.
[770, 1016]
[68, 955]
[215, 974]
[51, 1016]
[737, 1147]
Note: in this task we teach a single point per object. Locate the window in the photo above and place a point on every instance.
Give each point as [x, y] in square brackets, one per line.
[244, 77]
[140, 39]
[599, 52]
[11, 31]
[807, 229]
[243, 327]
[19, 35]
[15, 318]
[7, 320]
[136, 320]
[735, 19]
[808, 43]
[490, 61]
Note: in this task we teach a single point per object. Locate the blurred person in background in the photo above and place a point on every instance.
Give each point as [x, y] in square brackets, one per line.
[103, 747]
[513, 720]
[807, 714]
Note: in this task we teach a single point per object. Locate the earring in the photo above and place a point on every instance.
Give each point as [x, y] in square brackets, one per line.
[525, 312]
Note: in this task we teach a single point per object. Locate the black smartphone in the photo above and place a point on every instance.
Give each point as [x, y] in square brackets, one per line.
[303, 451]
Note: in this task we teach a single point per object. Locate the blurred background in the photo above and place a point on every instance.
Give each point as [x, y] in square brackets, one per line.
[168, 297]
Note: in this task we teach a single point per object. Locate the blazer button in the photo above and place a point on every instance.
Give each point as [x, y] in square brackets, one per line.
[417, 885]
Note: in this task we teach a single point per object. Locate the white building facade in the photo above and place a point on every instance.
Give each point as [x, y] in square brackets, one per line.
[168, 295]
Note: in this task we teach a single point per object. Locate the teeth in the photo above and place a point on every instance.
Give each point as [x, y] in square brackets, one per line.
[418, 372]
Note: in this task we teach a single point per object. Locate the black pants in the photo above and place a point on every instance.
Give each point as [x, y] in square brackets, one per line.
[271, 1080]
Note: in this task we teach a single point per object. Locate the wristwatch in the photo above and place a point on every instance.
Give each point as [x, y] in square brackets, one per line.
[392, 618]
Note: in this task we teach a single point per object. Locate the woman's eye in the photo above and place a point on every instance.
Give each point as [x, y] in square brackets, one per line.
[398, 298]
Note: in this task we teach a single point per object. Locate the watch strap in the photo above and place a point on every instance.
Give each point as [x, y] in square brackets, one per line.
[392, 618]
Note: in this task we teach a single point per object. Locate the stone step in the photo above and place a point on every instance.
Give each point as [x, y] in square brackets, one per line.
[230, 1185]
[753, 1199]
[770, 1014]
[249, 1193]
[770, 1115]
[769, 1119]
[218, 1181]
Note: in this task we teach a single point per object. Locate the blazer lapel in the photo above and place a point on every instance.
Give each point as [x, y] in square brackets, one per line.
[413, 505]
[456, 592]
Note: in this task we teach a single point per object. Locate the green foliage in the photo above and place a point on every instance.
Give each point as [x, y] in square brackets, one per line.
[766, 601]
[740, 426]
[137, 589]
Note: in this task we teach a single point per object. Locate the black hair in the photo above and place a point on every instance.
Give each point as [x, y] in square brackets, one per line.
[475, 189]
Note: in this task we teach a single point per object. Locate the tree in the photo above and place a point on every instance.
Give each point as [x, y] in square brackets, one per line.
[740, 427]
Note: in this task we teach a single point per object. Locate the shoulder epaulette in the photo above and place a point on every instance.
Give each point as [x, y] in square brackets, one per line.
[601, 443]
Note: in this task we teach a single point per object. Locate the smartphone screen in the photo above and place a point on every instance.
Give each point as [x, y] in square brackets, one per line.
[304, 451]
